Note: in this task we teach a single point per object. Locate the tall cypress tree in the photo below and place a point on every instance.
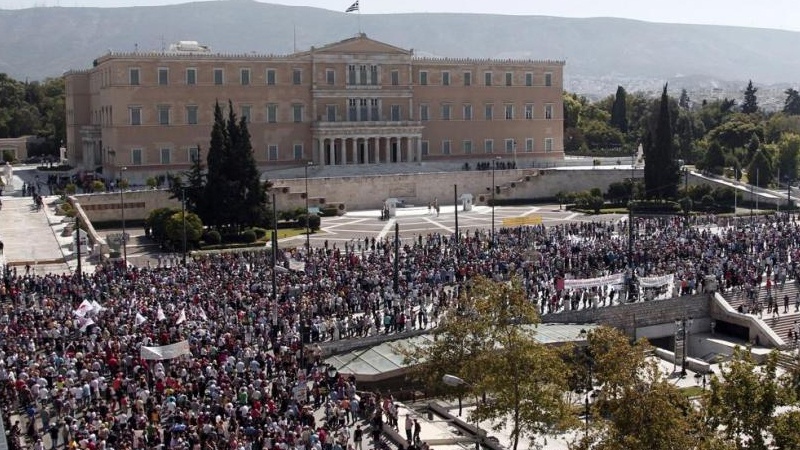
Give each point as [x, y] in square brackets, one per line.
[750, 103]
[215, 192]
[619, 110]
[662, 177]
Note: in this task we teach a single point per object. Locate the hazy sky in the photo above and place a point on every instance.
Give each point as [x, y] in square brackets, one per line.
[781, 14]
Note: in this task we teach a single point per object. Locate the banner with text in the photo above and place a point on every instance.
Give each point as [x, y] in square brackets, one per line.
[166, 351]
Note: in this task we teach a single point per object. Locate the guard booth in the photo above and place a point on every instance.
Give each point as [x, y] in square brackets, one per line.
[466, 201]
[390, 208]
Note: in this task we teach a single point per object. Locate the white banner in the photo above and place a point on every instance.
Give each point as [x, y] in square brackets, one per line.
[615, 278]
[663, 280]
[166, 351]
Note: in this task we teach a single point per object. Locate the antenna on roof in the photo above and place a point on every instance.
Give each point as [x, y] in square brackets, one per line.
[136, 47]
[163, 44]
[294, 37]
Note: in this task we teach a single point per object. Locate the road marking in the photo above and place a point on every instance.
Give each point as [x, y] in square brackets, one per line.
[530, 211]
[389, 225]
[440, 225]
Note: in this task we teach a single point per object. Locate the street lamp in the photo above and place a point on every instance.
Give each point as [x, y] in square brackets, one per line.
[494, 190]
[682, 329]
[124, 235]
[308, 215]
[183, 217]
[454, 381]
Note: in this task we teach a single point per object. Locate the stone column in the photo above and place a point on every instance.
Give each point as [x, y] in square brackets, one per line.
[320, 152]
[419, 149]
[332, 153]
[387, 148]
[342, 149]
[354, 149]
[409, 148]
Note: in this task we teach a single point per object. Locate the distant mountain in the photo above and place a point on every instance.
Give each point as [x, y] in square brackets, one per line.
[44, 42]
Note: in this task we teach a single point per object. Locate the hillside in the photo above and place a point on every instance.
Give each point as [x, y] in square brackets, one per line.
[43, 42]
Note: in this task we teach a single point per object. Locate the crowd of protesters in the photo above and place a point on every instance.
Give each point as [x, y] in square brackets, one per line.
[76, 372]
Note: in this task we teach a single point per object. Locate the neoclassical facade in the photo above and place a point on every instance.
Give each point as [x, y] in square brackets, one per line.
[357, 101]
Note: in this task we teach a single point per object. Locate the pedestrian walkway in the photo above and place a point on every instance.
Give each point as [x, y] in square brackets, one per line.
[27, 235]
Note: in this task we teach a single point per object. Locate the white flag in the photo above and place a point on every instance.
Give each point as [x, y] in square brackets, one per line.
[140, 319]
[181, 317]
[97, 306]
[202, 313]
[160, 315]
[84, 322]
[84, 308]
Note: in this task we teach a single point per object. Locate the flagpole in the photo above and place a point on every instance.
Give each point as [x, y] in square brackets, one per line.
[359, 19]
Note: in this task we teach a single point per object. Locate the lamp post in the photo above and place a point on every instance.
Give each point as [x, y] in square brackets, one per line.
[124, 235]
[454, 381]
[682, 329]
[494, 190]
[183, 216]
[308, 226]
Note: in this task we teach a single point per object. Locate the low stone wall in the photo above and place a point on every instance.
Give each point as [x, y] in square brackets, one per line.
[107, 206]
[630, 316]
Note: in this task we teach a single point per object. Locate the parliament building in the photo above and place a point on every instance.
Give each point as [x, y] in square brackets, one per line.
[353, 102]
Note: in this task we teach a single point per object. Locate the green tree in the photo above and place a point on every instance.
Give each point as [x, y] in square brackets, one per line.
[661, 171]
[791, 105]
[684, 101]
[714, 160]
[488, 340]
[156, 222]
[216, 188]
[750, 103]
[742, 406]
[760, 171]
[174, 227]
[619, 110]
[788, 153]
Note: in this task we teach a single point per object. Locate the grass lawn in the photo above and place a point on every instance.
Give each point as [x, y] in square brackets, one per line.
[692, 391]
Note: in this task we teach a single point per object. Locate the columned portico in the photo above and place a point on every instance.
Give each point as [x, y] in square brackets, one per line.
[343, 143]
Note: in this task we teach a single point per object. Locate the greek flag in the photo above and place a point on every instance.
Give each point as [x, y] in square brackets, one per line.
[353, 7]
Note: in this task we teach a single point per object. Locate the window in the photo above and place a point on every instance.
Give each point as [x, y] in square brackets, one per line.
[423, 113]
[548, 145]
[191, 115]
[352, 110]
[445, 78]
[246, 113]
[510, 144]
[330, 77]
[529, 145]
[193, 154]
[529, 111]
[218, 77]
[467, 147]
[362, 74]
[136, 156]
[423, 78]
[163, 115]
[509, 78]
[467, 78]
[351, 74]
[488, 112]
[446, 112]
[373, 75]
[298, 152]
[487, 78]
[528, 79]
[330, 113]
[272, 152]
[396, 112]
[395, 78]
[548, 111]
[468, 112]
[362, 109]
[272, 113]
[244, 76]
[445, 147]
[271, 77]
[509, 112]
[548, 79]
[297, 113]
[163, 76]
[424, 148]
[374, 110]
[133, 77]
[191, 76]
[297, 76]
[136, 115]
[488, 146]
[165, 156]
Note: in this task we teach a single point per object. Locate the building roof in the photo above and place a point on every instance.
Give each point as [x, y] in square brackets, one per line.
[386, 361]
